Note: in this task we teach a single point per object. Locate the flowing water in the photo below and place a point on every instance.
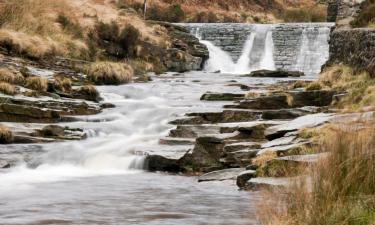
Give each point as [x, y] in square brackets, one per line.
[100, 180]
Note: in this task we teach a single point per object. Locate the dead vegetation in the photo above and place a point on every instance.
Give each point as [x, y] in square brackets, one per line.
[341, 188]
[7, 88]
[12, 77]
[6, 135]
[109, 73]
[39, 84]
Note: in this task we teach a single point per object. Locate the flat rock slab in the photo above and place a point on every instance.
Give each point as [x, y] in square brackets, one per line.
[219, 175]
[237, 146]
[177, 141]
[280, 141]
[193, 131]
[255, 184]
[210, 96]
[167, 151]
[308, 121]
[310, 158]
[283, 149]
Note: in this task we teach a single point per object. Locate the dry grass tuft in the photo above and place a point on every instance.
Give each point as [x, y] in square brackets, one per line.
[62, 84]
[261, 160]
[12, 77]
[314, 86]
[37, 83]
[342, 185]
[109, 73]
[7, 88]
[6, 135]
[89, 92]
[359, 87]
[31, 46]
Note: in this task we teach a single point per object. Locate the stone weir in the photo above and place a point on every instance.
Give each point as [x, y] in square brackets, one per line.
[300, 46]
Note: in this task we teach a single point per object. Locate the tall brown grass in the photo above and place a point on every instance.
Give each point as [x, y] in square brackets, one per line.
[366, 17]
[358, 86]
[7, 88]
[37, 83]
[12, 77]
[6, 135]
[29, 28]
[312, 14]
[341, 187]
[109, 73]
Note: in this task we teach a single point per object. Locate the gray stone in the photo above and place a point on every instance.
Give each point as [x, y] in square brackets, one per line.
[244, 177]
[308, 121]
[220, 175]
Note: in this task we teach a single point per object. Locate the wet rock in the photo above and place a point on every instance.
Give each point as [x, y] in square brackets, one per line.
[155, 163]
[237, 146]
[187, 53]
[220, 175]
[245, 176]
[177, 141]
[275, 73]
[107, 105]
[226, 116]
[52, 130]
[293, 148]
[193, 131]
[310, 98]
[24, 113]
[308, 121]
[239, 158]
[286, 114]
[210, 96]
[279, 141]
[4, 164]
[283, 114]
[207, 152]
[27, 139]
[45, 110]
[260, 183]
[289, 165]
[263, 102]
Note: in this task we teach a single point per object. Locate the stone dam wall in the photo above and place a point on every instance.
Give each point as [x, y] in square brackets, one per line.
[299, 46]
[353, 47]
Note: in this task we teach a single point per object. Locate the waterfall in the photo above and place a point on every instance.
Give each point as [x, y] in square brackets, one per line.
[242, 48]
[267, 60]
[221, 61]
[257, 53]
[312, 53]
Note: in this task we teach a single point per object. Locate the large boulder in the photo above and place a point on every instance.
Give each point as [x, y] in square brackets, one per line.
[186, 53]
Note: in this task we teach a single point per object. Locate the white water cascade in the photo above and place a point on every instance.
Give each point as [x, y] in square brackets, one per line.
[313, 51]
[242, 48]
[259, 40]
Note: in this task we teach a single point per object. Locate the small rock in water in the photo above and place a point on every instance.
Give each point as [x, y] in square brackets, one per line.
[4, 164]
[243, 177]
[275, 73]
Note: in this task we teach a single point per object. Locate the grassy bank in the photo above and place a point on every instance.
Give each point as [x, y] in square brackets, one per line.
[85, 30]
[340, 188]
